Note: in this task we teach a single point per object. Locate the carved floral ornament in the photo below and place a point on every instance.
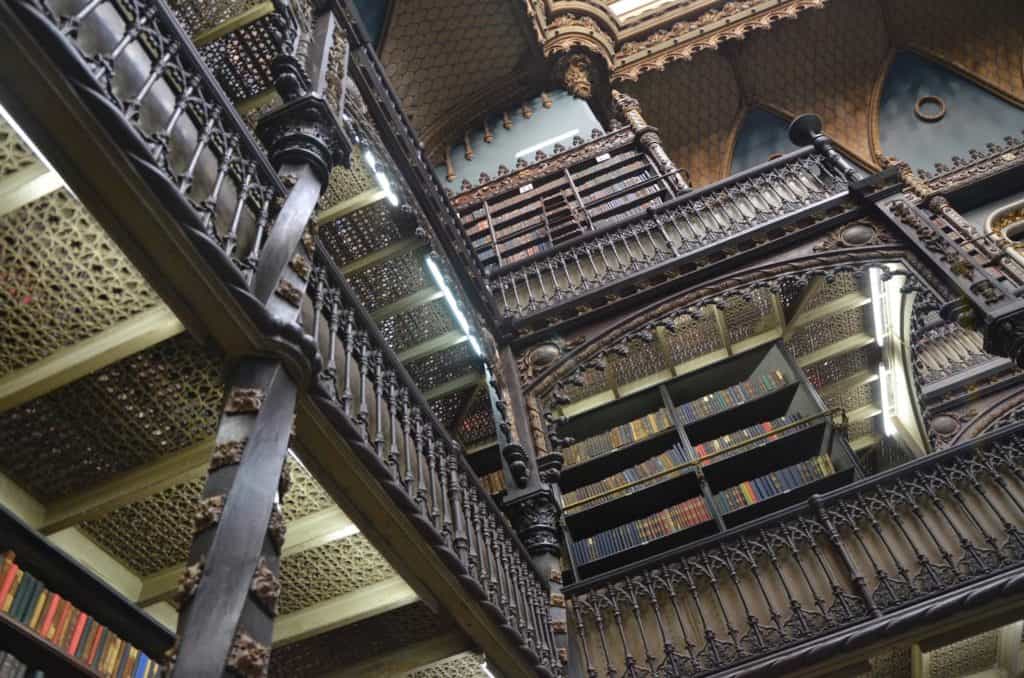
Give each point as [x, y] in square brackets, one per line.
[651, 40]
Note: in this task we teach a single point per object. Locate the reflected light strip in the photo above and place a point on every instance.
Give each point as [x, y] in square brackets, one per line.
[877, 299]
[883, 384]
[27, 140]
[460, 317]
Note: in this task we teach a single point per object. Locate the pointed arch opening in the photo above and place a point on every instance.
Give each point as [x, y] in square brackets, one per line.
[762, 136]
[927, 113]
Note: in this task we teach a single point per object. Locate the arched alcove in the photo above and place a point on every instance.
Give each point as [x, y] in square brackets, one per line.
[762, 136]
[927, 113]
[374, 15]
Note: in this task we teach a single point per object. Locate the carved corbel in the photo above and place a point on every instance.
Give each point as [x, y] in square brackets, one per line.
[208, 512]
[266, 587]
[577, 74]
[248, 657]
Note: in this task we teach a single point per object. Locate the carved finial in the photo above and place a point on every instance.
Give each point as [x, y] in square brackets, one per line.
[576, 72]
[466, 185]
[225, 454]
[521, 163]
[244, 401]
[467, 146]
[484, 178]
[277, 529]
[189, 581]
[540, 155]
[526, 110]
[488, 134]
[208, 512]
[247, 657]
[265, 587]
[624, 103]
[545, 100]
[506, 120]
[502, 170]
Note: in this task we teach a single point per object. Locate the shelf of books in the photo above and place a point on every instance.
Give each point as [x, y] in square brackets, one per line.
[532, 218]
[702, 453]
[58, 619]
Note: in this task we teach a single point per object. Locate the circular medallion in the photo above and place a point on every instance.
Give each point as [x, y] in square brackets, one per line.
[945, 425]
[857, 234]
[930, 108]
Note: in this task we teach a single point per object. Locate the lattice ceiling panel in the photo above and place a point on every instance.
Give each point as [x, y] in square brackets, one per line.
[361, 233]
[438, 53]
[850, 399]
[390, 281]
[643, 359]
[967, 657]
[198, 16]
[438, 368]
[156, 532]
[745, 319]
[149, 535]
[842, 284]
[820, 333]
[305, 496]
[155, 402]
[64, 280]
[334, 569]
[695, 106]
[478, 424]
[446, 409]
[838, 368]
[14, 153]
[408, 329]
[827, 62]
[463, 665]
[347, 182]
[693, 338]
[350, 644]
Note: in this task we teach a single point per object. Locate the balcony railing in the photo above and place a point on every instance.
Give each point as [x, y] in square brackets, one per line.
[397, 435]
[142, 77]
[135, 53]
[841, 572]
[680, 227]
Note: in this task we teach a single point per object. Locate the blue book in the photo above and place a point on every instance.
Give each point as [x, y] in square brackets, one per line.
[140, 668]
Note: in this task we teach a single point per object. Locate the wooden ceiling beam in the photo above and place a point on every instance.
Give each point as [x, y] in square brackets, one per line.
[305, 533]
[469, 380]
[808, 292]
[855, 380]
[369, 601]
[70, 363]
[407, 303]
[437, 344]
[124, 488]
[847, 302]
[350, 205]
[26, 185]
[395, 249]
[836, 349]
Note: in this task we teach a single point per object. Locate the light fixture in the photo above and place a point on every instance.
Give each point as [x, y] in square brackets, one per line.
[460, 317]
[888, 424]
[877, 301]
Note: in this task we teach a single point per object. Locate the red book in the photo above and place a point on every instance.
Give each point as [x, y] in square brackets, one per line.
[62, 621]
[5, 586]
[51, 610]
[94, 641]
[76, 635]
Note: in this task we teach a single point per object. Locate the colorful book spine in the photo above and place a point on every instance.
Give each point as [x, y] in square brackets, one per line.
[774, 484]
[727, 398]
[493, 482]
[618, 437]
[687, 514]
[55, 619]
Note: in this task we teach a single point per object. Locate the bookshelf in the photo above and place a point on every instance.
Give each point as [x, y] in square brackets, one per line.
[530, 219]
[732, 442]
[62, 579]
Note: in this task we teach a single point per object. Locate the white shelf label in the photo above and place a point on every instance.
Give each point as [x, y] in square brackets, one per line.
[603, 157]
[525, 187]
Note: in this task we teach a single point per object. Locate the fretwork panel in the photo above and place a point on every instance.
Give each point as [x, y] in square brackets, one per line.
[814, 571]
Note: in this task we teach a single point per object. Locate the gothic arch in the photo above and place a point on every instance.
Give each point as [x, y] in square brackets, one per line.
[752, 122]
[927, 110]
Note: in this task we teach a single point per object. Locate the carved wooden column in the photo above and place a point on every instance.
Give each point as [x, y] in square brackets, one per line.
[531, 500]
[628, 108]
[229, 592]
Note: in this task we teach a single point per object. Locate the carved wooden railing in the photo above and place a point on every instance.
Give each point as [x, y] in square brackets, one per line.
[401, 142]
[139, 73]
[902, 549]
[137, 56]
[696, 222]
[398, 436]
[977, 165]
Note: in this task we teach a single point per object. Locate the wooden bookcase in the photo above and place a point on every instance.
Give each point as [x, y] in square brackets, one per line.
[63, 575]
[532, 218]
[760, 399]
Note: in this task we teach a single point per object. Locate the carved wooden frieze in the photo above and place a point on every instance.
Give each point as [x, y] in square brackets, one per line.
[266, 587]
[244, 401]
[226, 454]
[248, 657]
[208, 512]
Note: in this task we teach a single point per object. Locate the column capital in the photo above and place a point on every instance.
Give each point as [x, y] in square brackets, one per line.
[535, 518]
